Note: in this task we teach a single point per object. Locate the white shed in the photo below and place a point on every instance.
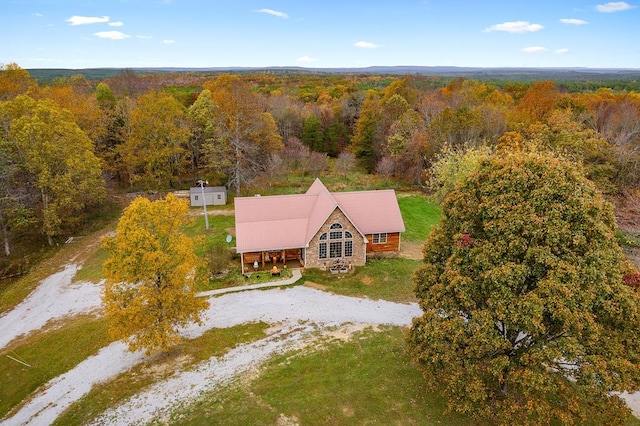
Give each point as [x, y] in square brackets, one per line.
[213, 196]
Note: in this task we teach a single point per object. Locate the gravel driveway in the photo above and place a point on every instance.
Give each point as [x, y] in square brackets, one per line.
[297, 313]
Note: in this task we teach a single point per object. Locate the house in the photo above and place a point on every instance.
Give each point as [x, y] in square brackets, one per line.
[213, 195]
[318, 228]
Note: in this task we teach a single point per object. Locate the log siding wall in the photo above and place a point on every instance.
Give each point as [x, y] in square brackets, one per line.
[392, 244]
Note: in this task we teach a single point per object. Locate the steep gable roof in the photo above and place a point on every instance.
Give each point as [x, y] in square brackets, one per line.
[325, 204]
[290, 221]
[372, 211]
[273, 222]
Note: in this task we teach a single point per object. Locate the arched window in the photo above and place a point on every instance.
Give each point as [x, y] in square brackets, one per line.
[348, 244]
[340, 243]
[336, 232]
[322, 247]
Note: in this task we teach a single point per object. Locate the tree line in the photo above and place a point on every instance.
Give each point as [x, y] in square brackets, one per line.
[63, 143]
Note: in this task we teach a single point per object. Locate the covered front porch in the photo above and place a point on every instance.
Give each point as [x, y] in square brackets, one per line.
[266, 260]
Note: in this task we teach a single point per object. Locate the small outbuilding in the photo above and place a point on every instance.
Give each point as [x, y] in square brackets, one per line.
[213, 196]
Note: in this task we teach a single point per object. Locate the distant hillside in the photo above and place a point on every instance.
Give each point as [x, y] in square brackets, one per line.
[490, 74]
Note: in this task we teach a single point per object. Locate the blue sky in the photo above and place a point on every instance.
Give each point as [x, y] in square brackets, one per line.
[328, 33]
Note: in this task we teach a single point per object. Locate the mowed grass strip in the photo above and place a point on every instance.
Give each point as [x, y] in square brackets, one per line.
[389, 279]
[419, 215]
[214, 342]
[91, 269]
[367, 380]
[49, 354]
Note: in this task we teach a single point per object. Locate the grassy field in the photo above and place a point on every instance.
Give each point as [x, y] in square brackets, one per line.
[49, 354]
[214, 342]
[367, 380]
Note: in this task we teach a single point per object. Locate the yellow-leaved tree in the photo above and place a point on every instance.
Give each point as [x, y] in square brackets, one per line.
[151, 274]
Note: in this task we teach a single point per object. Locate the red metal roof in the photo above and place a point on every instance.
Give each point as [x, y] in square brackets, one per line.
[290, 221]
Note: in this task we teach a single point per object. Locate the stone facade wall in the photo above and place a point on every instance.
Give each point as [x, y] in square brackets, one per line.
[359, 257]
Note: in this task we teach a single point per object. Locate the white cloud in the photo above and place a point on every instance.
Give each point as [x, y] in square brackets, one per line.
[306, 59]
[516, 27]
[116, 24]
[39, 15]
[534, 49]
[83, 20]
[144, 37]
[614, 6]
[562, 51]
[572, 21]
[366, 45]
[274, 13]
[113, 35]
[168, 41]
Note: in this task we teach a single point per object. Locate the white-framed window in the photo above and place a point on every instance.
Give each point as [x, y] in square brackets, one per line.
[195, 197]
[335, 232]
[322, 247]
[219, 196]
[348, 248]
[379, 238]
[322, 251]
[335, 249]
[340, 243]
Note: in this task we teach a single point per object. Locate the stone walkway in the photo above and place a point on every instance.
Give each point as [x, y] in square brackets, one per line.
[296, 276]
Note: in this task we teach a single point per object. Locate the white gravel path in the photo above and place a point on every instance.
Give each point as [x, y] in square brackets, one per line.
[162, 398]
[291, 306]
[54, 298]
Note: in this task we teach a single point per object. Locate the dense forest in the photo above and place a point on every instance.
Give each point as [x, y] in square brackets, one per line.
[68, 142]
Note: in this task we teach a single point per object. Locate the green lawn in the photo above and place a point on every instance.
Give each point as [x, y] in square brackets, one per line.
[388, 279]
[219, 227]
[419, 216]
[368, 380]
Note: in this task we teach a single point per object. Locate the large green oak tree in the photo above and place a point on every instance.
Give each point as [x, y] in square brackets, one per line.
[526, 317]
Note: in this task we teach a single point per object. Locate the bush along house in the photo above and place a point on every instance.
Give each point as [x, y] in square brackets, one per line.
[317, 229]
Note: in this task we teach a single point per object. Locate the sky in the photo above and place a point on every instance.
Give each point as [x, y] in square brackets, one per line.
[319, 34]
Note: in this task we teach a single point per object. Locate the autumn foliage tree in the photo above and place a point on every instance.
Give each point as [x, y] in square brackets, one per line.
[151, 274]
[57, 159]
[14, 81]
[526, 316]
[241, 133]
[153, 152]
